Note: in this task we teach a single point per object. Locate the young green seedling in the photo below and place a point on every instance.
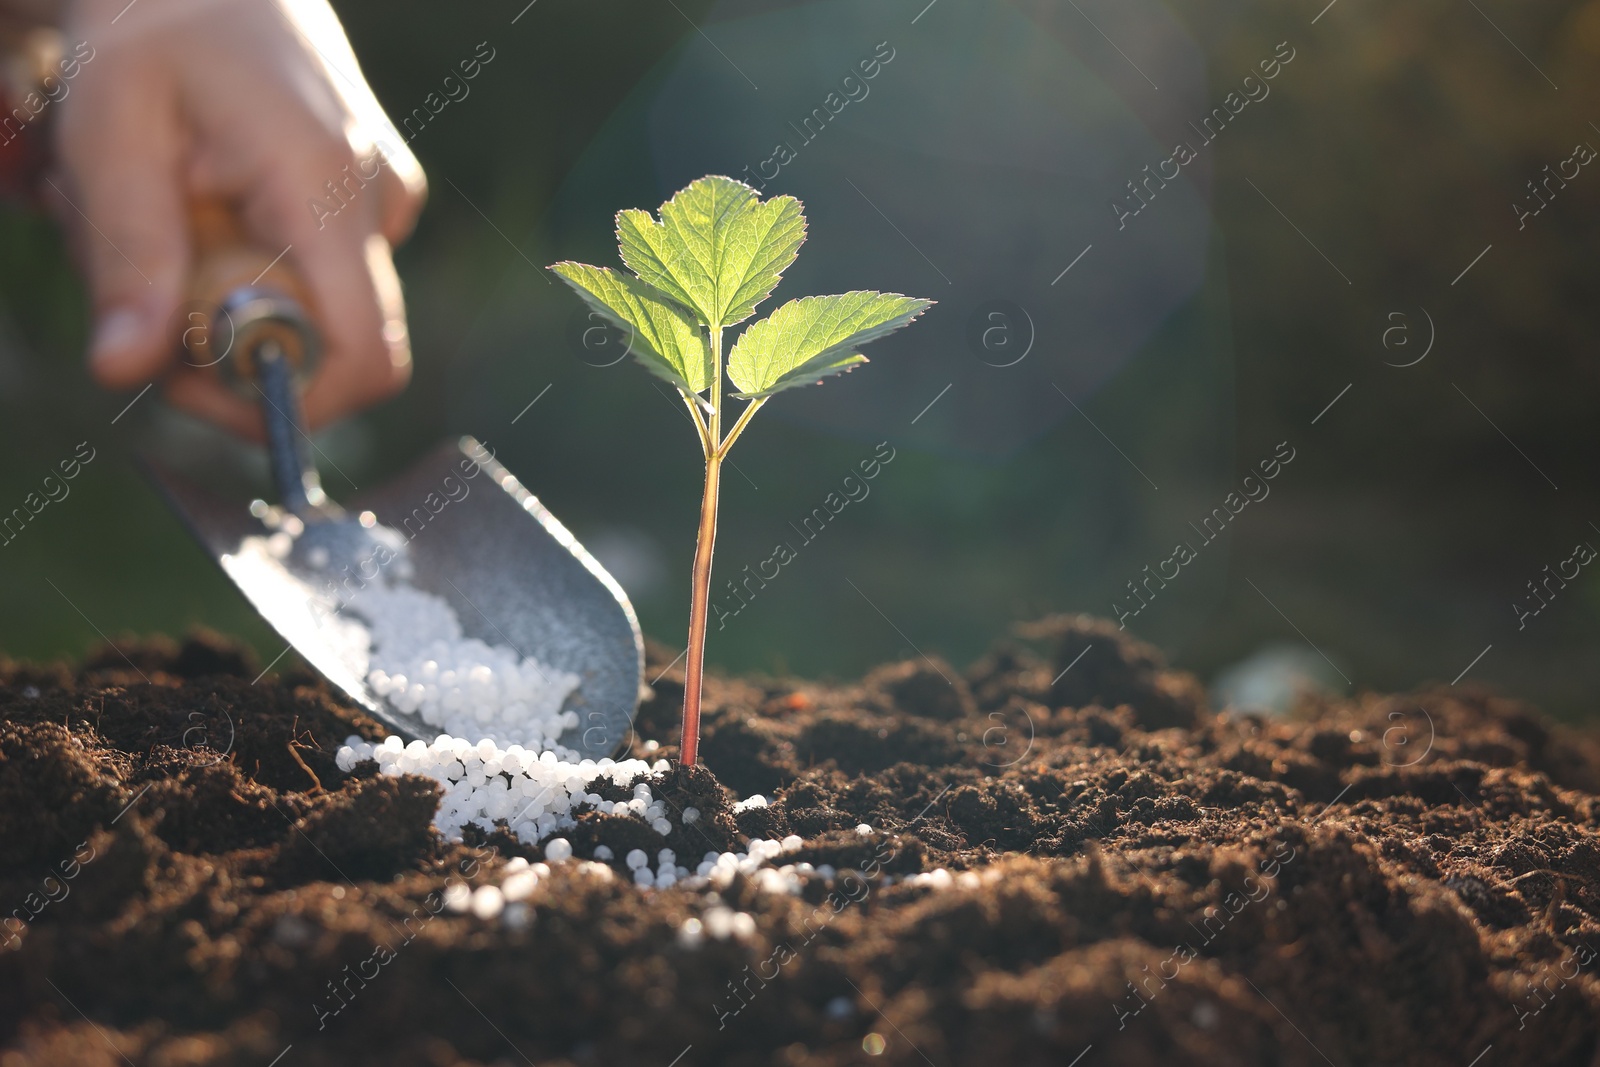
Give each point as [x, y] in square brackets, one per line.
[717, 251]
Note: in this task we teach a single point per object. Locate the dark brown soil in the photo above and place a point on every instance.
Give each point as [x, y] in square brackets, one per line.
[1389, 880]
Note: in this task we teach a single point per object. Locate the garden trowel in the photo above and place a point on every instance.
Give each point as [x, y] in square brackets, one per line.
[457, 524]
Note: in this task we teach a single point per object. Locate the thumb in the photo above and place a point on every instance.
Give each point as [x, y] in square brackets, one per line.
[124, 201]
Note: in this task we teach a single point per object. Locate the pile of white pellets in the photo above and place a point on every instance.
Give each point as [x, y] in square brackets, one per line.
[424, 666]
[517, 773]
[499, 713]
[534, 793]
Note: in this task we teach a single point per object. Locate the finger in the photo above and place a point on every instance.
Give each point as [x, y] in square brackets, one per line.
[120, 153]
[204, 395]
[345, 264]
[402, 190]
[401, 184]
[369, 353]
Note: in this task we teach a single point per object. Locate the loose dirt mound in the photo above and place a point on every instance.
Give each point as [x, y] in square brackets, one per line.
[189, 879]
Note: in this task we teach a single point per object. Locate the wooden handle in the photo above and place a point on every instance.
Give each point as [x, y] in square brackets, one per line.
[225, 258]
[226, 263]
[256, 306]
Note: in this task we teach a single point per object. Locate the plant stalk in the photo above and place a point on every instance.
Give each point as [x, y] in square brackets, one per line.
[705, 542]
[700, 602]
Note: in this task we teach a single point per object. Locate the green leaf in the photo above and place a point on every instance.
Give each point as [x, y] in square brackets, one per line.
[808, 339]
[665, 338]
[718, 249]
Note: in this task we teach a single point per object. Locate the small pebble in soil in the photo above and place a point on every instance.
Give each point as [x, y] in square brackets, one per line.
[291, 930]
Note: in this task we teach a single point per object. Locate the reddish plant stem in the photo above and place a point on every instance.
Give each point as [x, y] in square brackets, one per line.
[694, 668]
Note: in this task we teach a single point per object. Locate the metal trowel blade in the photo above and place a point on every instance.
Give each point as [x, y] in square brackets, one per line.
[472, 535]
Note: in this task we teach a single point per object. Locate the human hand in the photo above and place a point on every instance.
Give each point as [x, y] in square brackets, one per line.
[259, 103]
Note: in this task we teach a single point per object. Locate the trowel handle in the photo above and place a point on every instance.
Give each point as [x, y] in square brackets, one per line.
[260, 336]
[226, 259]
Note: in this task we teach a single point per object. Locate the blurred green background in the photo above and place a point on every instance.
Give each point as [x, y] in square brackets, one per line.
[1192, 342]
